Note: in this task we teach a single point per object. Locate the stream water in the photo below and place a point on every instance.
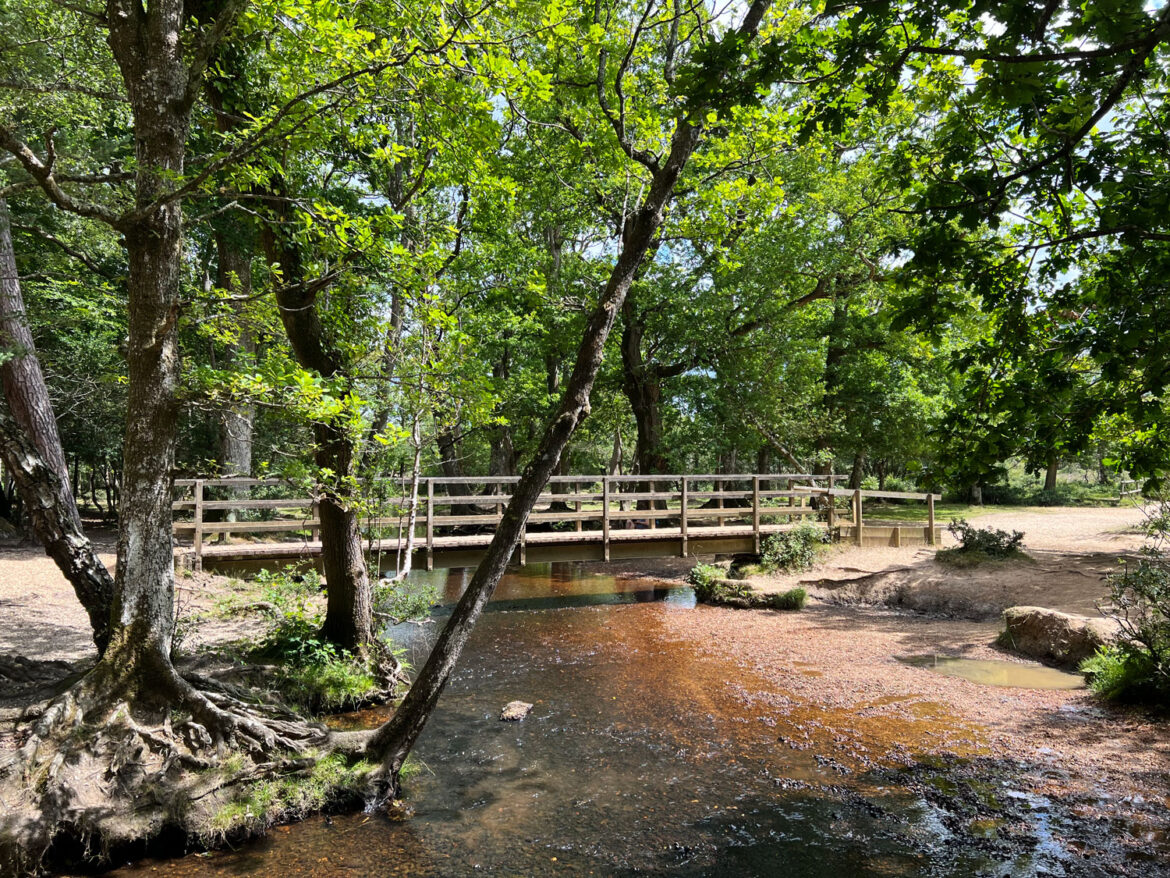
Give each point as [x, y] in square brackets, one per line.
[641, 755]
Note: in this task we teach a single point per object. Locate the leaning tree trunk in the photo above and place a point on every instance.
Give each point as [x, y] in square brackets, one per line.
[30, 447]
[393, 740]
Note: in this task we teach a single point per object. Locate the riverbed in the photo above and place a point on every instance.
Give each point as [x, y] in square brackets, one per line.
[667, 738]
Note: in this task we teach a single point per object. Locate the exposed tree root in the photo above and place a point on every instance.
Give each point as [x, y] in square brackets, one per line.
[104, 771]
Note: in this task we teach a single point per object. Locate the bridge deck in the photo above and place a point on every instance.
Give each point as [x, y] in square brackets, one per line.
[694, 512]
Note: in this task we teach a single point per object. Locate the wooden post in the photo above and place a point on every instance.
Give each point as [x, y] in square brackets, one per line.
[930, 519]
[198, 539]
[577, 490]
[791, 499]
[857, 523]
[605, 517]
[756, 512]
[719, 501]
[683, 517]
[430, 524]
[832, 512]
[314, 529]
[897, 536]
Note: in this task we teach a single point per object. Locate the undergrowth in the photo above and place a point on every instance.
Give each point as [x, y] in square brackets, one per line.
[1137, 666]
[794, 550]
[980, 545]
[712, 587]
[259, 805]
[312, 674]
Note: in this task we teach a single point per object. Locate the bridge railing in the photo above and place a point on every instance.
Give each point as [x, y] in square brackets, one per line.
[682, 506]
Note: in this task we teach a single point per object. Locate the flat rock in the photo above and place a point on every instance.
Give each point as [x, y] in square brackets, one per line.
[1052, 636]
[514, 711]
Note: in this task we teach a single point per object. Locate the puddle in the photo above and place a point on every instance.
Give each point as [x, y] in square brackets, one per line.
[996, 673]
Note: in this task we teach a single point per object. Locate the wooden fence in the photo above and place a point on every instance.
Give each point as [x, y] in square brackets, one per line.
[456, 512]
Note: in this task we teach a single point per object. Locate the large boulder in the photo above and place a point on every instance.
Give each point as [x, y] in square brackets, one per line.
[1052, 636]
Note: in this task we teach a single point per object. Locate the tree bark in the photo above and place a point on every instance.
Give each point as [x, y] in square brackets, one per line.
[148, 46]
[234, 273]
[1051, 472]
[857, 473]
[349, 605]
[31, 450]
[642, 386]
[391, 743]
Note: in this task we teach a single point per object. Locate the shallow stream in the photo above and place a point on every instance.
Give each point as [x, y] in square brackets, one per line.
[642, 755]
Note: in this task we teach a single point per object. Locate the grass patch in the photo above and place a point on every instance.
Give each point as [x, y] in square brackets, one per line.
[259, 805]
[712, 587]
[793, 599]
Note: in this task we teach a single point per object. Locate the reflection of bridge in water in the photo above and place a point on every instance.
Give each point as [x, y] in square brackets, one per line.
[578, 518]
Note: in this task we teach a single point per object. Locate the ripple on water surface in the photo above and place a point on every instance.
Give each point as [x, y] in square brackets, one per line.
[643, 754]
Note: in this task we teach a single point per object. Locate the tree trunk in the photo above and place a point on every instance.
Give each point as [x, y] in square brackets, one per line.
[33, 454]
[147, 46]
[348, 620]
[1051, 473]
[642, 386]
[857, 473]
[763, 460]
[234, 246]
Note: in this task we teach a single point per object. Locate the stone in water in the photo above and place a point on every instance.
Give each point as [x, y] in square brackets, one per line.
[514, 711]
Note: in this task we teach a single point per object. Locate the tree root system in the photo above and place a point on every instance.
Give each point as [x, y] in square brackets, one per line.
[97, 773]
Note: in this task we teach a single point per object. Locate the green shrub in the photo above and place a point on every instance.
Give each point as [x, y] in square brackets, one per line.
[398, 603]
[793, 599]
[1138, 667]
[1120, 674]
[794, 550]
[989, 541]
[704, 578]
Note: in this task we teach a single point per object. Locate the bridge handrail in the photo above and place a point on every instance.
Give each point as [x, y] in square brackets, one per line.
[677, 502]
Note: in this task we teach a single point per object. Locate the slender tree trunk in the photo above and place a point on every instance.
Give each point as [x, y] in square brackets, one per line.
[642, 386]
[234, 246]
[32, 452]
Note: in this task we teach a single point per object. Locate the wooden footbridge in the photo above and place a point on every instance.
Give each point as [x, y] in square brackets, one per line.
[239, 525]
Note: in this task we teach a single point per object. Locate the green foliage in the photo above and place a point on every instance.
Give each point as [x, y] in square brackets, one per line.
[1120, 673]
[793, 599]
[712, 587]
[312, 673]
[1138, 666]
[704, 577]
[257, 806]
[398, 602]
[990, 542]
[794, 550]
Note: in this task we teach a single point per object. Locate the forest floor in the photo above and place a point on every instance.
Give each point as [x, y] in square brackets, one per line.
[836, 661]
